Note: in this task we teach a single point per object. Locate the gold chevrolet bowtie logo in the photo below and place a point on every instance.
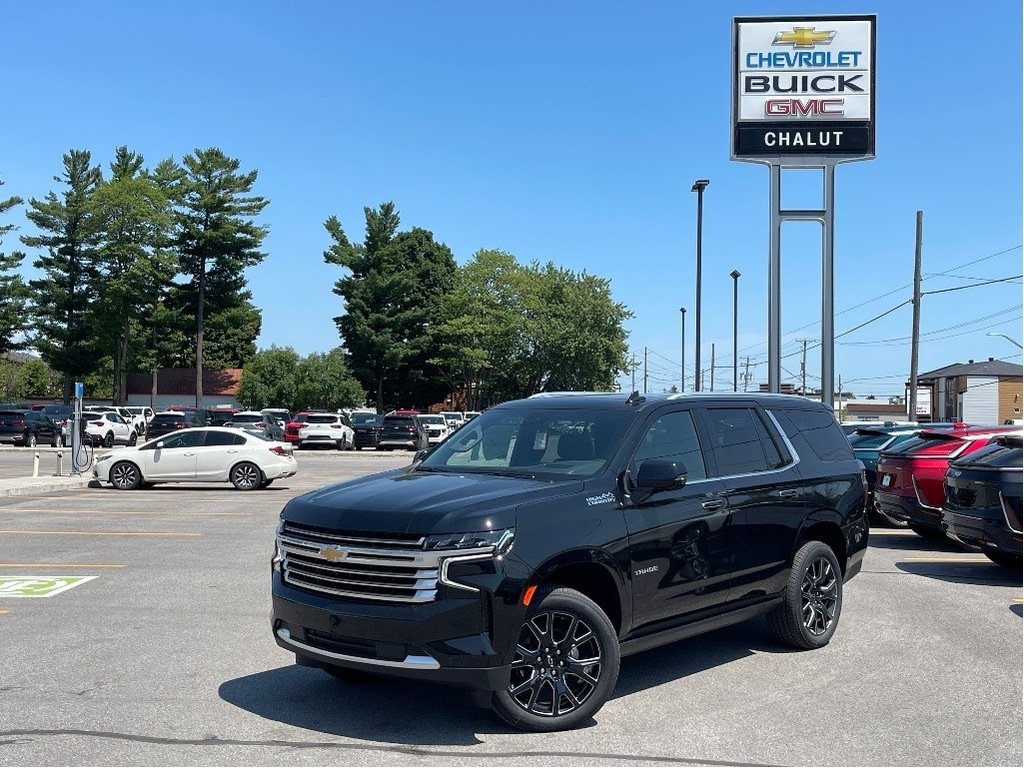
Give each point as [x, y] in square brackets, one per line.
[803, 37]
[332, 554]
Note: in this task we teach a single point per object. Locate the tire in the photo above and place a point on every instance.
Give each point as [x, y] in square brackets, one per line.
[926, 532]
[343, 444]
[125, 476]
[133, 439]
[246, 476]
[108, 441]
[31, 441]
[812, 600]
[1004, 559]
[559, 686]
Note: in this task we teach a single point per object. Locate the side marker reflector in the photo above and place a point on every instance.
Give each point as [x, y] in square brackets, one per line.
[528, 594]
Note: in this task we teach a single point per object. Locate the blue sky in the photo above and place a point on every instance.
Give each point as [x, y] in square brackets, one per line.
[568, 132]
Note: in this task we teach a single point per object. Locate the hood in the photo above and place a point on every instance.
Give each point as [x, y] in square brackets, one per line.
[401, 501]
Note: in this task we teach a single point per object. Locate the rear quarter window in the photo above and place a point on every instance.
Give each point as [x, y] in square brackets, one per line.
[815, 431]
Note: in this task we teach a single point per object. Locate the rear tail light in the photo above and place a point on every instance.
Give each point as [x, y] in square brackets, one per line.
[19, 422]
[278, 450]
[97, 423]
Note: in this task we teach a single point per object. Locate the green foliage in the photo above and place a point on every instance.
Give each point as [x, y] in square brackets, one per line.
[269, 379]
[279, 378]
[392, 294]
[61, 297]
[216, 240]
[25, 379]
[325, 381]
[13, 291]
[509, 331]
[133, 214]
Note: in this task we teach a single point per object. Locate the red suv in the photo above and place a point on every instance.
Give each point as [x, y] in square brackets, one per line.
[291, 429]
[910, 476]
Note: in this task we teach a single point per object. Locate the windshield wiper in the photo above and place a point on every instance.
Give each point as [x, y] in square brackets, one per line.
[421, 468]
[506, 473]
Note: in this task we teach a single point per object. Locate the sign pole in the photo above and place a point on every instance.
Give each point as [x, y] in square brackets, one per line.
[828, 320]
[775, 281]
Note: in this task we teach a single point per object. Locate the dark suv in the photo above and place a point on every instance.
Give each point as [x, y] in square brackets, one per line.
[550, 536]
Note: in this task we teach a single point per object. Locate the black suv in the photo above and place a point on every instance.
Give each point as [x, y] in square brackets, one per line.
[550, 536]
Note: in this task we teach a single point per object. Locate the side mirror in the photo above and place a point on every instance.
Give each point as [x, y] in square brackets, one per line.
[657, 475]
[160, 444]
[419, 456]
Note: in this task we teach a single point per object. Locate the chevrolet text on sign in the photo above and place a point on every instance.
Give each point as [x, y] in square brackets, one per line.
[804, 86]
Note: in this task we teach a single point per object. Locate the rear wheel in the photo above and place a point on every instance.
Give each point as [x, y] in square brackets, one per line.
[125, 476]
[30, 440]
[812, 600]
[108, 441]
[565, 665]
[246, 476]
[133, 439]
[343, 443]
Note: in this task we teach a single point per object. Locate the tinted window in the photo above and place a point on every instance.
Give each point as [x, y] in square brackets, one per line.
[736, 442]
[242, 418]
[1001, 455]
[169, 419]
[190, 439]
[869, 438]
[816, 429]
[365, 419]
[321, 418]
[399, 421]
[672, 437]
[214, 438]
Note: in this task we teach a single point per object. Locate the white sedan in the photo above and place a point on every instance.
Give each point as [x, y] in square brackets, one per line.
[246, 458]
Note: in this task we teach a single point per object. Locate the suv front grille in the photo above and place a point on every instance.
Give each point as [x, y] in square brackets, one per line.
[359, 567]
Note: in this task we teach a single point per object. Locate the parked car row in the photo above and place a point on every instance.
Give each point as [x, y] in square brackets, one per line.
[957, 480]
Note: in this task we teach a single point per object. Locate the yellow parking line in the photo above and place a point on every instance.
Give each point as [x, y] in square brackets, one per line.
[1018, 599]
[4, 610]
[890, 532]
[97, 533]
[61, 565]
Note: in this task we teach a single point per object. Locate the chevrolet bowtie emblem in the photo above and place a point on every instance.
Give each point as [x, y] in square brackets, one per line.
[332, 554]
[803, 37]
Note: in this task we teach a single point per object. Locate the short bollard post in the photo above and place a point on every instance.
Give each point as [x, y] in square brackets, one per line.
[35, 464]
[60, 464]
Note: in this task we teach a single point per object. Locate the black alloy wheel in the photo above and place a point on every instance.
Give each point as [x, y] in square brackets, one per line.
[30, 440]
[108, 441]
[813, 599]
[565, 664]
[133, 439]
[246, 476]
[125, 476]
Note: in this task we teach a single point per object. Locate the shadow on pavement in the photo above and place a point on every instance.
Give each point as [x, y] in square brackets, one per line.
[1017, 609]
[389, 710]
[912, 542]
[965, 573]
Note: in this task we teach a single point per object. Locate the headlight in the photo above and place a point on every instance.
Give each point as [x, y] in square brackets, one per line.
[498, 541]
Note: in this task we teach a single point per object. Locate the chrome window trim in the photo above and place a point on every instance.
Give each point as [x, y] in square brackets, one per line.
[920, 496]
[410, 662]
[1006, 514]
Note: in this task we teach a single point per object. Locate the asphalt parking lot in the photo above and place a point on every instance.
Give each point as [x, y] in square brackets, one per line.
[164, 656]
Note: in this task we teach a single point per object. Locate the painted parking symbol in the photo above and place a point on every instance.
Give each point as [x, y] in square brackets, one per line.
[39, 586]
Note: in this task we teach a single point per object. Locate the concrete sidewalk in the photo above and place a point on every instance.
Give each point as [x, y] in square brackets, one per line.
[35, 486]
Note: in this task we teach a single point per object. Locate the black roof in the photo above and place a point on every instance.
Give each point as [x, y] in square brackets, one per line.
[971, 368]
[613, 400]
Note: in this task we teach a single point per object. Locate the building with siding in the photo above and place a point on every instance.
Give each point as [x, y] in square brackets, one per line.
[989, 392]
[177, 386]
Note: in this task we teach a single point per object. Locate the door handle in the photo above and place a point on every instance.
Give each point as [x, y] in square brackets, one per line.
[234, 450]
[712, 504]
[789, 493]
[188, 454]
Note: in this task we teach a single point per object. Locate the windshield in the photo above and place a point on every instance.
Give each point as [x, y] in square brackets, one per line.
[364, 419]
[247, 418]
[548, 444]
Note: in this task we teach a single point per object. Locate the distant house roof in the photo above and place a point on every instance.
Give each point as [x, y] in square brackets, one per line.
[999, 368]
[182, 381]
[875, 406]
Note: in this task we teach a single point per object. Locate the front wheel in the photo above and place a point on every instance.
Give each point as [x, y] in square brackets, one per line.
[125, 476]
[812, 600]
[565, 665]
[31, 440]
[246, 476]
[133, 439]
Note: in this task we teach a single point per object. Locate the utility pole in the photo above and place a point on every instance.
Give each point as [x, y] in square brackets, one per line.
[803, 369]
[712, 367]
[746, 374]
[633, 370]
[915, 333]
[840, 397]
[645, 370]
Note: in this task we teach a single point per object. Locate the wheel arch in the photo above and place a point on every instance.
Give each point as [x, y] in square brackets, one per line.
[138, 468]
[231, 469]
[594, 574]
[824, 526]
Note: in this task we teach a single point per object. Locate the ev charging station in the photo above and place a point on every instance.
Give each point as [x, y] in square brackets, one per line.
[803, 97]
[79, 461]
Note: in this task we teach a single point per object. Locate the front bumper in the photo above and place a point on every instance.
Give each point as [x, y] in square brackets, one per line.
[446, 641]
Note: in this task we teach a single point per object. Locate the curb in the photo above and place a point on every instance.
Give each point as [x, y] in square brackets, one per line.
[41, 486]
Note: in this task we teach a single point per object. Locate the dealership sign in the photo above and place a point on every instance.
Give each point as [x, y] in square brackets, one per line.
[803, 87]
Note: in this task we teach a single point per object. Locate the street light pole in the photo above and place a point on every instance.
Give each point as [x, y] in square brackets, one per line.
[682, 352]
[698, 186]
[1008, 338]
[735, 275]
